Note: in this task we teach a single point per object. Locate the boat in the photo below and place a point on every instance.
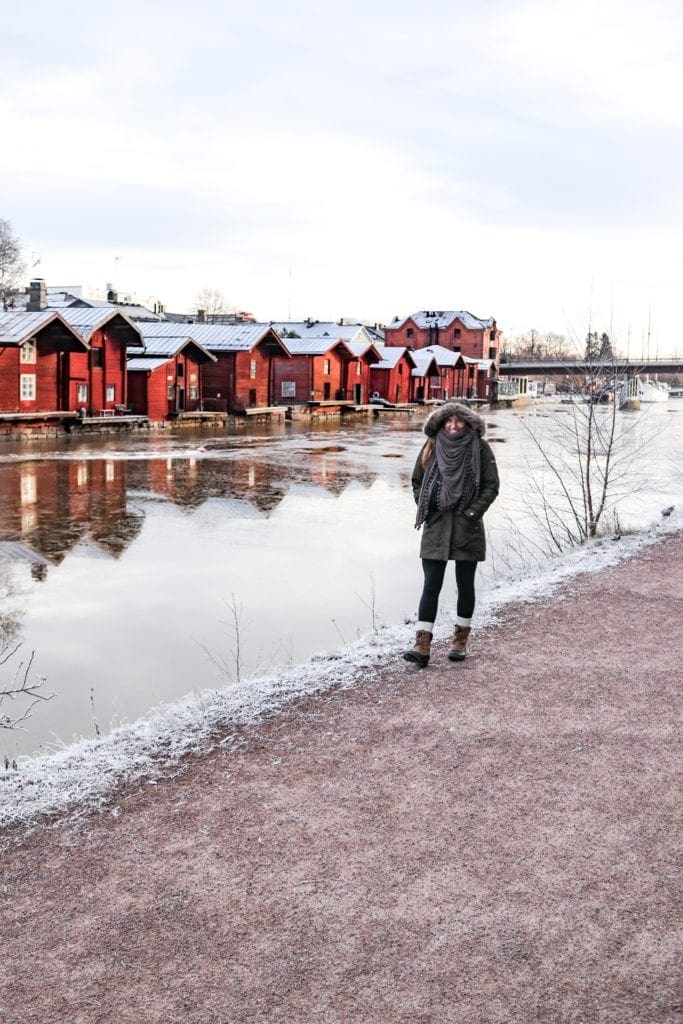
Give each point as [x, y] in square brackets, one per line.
[645, 389]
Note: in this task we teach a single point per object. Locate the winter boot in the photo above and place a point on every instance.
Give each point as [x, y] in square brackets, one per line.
[458, 651]
[420, 652]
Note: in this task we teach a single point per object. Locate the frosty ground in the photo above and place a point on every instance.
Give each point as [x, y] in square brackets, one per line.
[363, 841]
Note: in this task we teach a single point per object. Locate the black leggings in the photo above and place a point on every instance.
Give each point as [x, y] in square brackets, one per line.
[434, 571]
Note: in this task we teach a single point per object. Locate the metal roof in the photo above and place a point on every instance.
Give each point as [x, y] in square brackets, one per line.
[361, 348]
[391, 355]
[18, 327]
[314, 346]
[147, 362]
[214, 337]
[86, 320]
[423, 360]
[444, 356]
[321, 328]
[444, 318]
[172, 346]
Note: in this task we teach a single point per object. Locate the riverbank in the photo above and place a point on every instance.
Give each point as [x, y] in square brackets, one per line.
[486, 842]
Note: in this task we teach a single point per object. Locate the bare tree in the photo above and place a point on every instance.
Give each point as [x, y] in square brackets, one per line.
[587, 459]
[11, 265]
[213, 302]
[19, 688]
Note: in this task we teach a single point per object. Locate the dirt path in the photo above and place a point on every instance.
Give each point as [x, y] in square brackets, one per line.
[480, 843]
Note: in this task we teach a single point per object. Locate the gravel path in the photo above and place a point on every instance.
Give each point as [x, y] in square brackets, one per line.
[487, 842]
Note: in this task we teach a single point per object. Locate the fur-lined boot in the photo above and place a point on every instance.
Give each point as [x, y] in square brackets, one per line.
[420, 652]
[458, 651]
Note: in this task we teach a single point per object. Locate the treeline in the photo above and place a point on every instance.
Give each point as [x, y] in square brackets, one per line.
[533, 345]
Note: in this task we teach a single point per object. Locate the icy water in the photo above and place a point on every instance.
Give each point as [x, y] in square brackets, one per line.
[177, 562]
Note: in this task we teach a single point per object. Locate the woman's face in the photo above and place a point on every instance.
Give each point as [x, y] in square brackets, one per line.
[453, 425]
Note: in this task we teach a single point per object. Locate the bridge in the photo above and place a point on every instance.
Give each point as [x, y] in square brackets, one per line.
[583, 367]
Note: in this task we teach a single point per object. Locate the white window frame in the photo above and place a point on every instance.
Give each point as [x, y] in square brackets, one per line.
[288, 389]
[326, 367]
[28, 352]
[110, 393]
[81, 392]
[252, 369]
[27, 387]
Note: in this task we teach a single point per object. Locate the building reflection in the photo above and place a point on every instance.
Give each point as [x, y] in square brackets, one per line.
[50, 506]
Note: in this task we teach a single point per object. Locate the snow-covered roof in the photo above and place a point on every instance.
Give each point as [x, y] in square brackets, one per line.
[173, 345]
[147, 362]
[423, 360]
[445, 356]
[314, 328]
[391, 355]
[214, 337]
[361, 348]
[86, 320]
[444, 318]
[18, 327]
[316, 346]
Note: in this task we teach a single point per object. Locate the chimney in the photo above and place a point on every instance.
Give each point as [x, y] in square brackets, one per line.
[37, 296]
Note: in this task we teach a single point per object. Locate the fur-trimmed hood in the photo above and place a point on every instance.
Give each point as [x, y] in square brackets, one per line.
[437, 419]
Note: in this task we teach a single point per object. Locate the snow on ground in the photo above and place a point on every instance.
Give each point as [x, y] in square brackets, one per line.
[81, 777]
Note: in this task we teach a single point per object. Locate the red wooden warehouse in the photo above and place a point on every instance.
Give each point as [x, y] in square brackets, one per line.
[98, 377]
[37, 351]
[317, 371]
[391, 377]
[167, 379]
[241, 377]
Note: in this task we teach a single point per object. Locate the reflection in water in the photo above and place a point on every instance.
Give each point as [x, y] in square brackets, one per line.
[52, 506]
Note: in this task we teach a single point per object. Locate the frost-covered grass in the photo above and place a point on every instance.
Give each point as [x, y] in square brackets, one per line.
[81, 778]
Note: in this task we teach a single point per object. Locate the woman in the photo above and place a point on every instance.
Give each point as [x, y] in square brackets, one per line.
[454, 481]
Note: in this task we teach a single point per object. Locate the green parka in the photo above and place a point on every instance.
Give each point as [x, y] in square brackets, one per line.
[452, 535]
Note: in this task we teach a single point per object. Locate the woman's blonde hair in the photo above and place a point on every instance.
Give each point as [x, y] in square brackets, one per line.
[427, 451]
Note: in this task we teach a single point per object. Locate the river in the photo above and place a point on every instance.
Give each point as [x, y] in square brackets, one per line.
[170, 563]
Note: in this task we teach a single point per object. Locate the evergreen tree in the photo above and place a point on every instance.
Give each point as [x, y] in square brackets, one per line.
[606, 352]
[592, 347]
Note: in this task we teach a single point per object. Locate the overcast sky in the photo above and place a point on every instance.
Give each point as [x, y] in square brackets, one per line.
[520, 160]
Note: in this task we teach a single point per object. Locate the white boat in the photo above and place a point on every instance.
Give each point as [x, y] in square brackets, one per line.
[645, 389]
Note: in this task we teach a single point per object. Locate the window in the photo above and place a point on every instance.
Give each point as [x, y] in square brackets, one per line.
[252, 369]
[111, 393]
[492, 352]
[456, 332]
[170, 392]
[96, 358]
[326, 367]
[359, 370]
[194, 392]
[28, 352]
[181, 370]
[410, 333]
[27, 387]
[82, 393]
[400, 369]
[289, 389]
[492, 336]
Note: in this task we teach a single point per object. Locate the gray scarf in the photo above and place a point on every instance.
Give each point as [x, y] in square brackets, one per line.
[454, 470]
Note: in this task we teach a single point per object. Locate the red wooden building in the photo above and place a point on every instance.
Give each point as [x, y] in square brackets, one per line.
[392, 377]
[242, 375]
[456, 330]
[167, 379]
[37, 353]
[318, 371]
[98, 377]
[358, 371]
